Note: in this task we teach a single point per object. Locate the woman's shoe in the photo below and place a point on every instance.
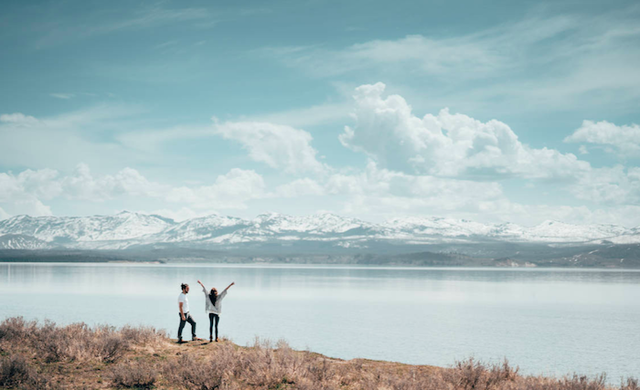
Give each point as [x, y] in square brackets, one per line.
[217, 340]
[211, 339]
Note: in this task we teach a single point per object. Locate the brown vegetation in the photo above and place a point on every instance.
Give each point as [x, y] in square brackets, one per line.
[46, 356]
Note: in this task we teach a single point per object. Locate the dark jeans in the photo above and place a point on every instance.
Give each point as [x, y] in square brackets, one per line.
[212, 318]
[190, 320]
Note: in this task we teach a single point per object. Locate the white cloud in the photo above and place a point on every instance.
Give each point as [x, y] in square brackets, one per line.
[381, 193]
[278, 146]
[309, 116]
[476, 55]
[61, 141]
[588, 61]
[4, 214]
[18, 119]
[65, 96]
[609, 185]
[626, 138]
[448, 144]
[300, 187]
[128, 181]
[23, 193]
[230, 191]
[16, 199]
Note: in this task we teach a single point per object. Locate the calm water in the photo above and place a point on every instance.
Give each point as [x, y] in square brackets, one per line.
[546, 321]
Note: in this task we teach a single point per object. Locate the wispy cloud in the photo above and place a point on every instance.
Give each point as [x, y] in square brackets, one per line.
[65, 96]
[83, 135]
[550, 61]
[130, 20]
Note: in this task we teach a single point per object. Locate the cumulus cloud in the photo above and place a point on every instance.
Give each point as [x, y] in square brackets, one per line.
[23, 193]
[278, 146]
[446, 144]
[625, 139]
[384, 193]
[128, 181]
[18, 118]
[379, 194]
[15, 197]
[609, 185]
[300, 187]
[230, 191]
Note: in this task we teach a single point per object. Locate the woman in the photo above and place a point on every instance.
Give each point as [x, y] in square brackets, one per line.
[213, 306]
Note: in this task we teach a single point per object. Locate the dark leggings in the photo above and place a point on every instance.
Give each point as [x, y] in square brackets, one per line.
[211, 318]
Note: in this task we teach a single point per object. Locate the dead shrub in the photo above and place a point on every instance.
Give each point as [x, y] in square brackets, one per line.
[74, 342]
[143, 335]
[631, 384]
[15, 372]
[583, 382]
[134, 375]
[193, 374]
[472, 374]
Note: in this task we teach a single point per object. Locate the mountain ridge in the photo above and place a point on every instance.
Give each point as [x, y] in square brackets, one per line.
[131, 229]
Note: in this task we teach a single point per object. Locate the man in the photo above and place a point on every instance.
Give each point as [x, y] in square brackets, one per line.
[183, 305]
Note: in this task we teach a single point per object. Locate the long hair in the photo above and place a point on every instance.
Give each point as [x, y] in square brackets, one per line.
[213, 296]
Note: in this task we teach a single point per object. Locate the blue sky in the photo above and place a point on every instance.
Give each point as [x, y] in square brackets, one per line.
[490, 111]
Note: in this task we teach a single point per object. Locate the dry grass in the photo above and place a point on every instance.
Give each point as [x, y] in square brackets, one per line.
[35, 356]
[134, 375]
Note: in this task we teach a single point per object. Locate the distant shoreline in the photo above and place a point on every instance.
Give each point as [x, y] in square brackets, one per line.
[498, 255]
[311, 265]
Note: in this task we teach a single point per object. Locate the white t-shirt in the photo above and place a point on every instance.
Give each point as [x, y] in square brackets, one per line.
[185, 302]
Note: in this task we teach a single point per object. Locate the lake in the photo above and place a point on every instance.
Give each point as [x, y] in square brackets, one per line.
[547, 321]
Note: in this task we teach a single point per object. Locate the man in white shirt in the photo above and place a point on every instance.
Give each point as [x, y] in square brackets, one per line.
[183, 305]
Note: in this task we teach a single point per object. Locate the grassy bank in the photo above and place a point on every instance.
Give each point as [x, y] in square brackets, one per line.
[46, 356]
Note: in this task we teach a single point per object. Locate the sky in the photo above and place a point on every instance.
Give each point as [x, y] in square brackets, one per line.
[490, 111]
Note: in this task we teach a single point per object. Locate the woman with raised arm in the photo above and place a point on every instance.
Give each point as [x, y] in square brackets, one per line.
[213, 306]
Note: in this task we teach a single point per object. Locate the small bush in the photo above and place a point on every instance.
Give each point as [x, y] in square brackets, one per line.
[193, 374]
[631, 384]
[143, 335]
[16, 372]
[135, 375]
[16, 329]
[583, 382]
[76, 342]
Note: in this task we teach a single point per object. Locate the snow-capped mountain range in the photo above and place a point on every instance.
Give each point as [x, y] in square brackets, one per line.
[130, 230]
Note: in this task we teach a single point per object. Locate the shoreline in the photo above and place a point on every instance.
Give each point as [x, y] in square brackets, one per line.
[46, 356]
[320, 265]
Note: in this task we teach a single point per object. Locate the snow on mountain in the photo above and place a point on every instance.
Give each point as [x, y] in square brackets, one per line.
[129, 229]
[311, 225]
[65, 230]
[563, 232]
[435, 226]
[203, 228]
[19, 241]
